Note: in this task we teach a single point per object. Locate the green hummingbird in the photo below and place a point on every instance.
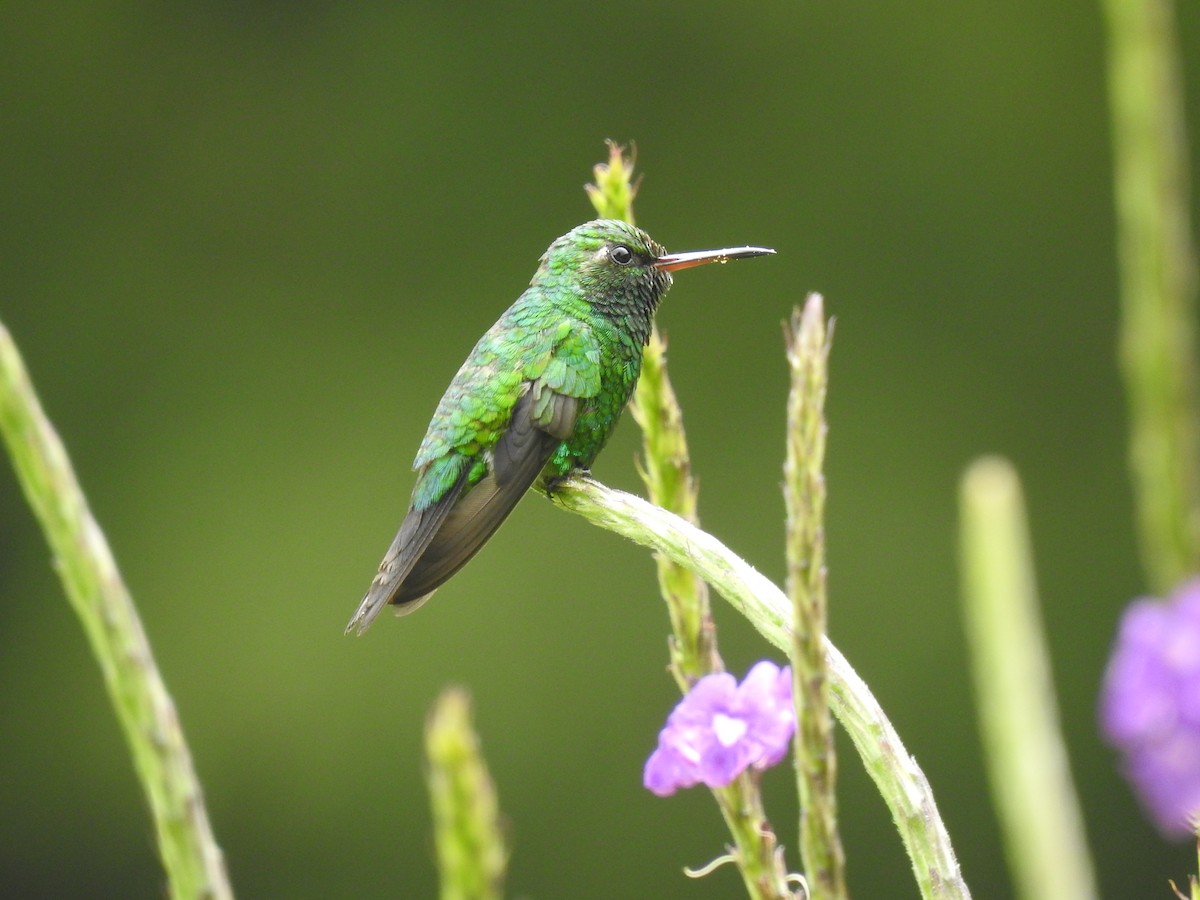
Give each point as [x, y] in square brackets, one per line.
[537, 397]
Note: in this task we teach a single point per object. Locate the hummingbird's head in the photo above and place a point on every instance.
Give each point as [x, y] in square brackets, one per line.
[620, 270]
[611, 264]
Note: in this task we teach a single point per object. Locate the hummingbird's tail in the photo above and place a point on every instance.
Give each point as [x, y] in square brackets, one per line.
[435, 542]
[416, 533]
[372, 605]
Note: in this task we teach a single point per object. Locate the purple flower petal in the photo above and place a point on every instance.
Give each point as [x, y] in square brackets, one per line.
[720, 729]
[667, 771]
[1150, 705]
[767, 691]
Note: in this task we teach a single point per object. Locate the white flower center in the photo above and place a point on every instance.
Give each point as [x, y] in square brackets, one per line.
[728, 729]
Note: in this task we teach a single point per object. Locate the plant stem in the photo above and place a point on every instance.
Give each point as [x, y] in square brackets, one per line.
[808, 343]
[666, 467]
[666, 472]
[195, 868]
[613, 190]
[1158, 284]
[1030, 772]
[899, 779]
[466, 816]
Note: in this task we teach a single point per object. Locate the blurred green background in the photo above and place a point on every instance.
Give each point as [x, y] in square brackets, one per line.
[244, 248]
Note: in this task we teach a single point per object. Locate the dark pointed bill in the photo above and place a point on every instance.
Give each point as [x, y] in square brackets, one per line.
[673, 262]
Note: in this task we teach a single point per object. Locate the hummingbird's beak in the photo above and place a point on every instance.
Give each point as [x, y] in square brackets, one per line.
[673, 262]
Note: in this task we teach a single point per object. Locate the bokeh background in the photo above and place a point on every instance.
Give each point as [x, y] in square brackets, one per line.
[244, 247]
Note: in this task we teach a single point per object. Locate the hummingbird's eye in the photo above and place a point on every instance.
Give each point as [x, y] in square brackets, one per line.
[621, 255]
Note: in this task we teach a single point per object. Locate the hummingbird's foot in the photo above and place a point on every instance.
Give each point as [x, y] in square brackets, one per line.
[550, 484]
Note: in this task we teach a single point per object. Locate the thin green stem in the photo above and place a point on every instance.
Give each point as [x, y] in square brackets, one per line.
[193, 861]
[666, 467]
[466, 815]
[756, 850]
[666, 472]
[614, 189]
[1030, 772]
[1158, 284]
[1193, 882]
[899, 779]
[808, 343]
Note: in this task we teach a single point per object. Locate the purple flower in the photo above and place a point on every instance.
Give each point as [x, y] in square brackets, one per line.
[1150, 705]
[721, 728]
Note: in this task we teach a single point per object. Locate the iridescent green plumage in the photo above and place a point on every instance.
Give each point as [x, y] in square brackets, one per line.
[539, 395]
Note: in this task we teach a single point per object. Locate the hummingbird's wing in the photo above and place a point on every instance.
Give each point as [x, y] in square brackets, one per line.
[517, 460]
[414, 536]
[436, 542]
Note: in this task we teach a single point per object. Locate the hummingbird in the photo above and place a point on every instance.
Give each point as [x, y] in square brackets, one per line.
[537, 397]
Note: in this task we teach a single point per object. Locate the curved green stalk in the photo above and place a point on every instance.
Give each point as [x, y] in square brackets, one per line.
[195, 868]
[903, 785]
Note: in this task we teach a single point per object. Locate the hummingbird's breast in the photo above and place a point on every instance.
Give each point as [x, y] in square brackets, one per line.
[620, 365]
